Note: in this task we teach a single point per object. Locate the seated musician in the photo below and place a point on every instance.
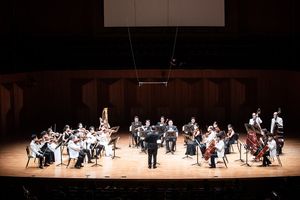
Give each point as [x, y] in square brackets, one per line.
[52, 139]
[264, 137]
[230, 134]
[45, 146]
[144, 128]
[271, 152]
[161, 135]
[103, 137]
[74, 152]
[66, 134]
[192, 122]
[80, 142]
[36, 152]
[171, 127]
[94, 143]
[207, 139]
[134, 133]
[219, 152]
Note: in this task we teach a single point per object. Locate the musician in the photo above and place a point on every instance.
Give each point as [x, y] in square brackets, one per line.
[219, 152]
[264, 138]
[45, 146]
[92, 141]
[255, 119]
[53, 138]
[66, 133]
[230, 134]
[208, 138]
[134, 134]
[80, 143]
[193, 122]
[151, 140]
[36, 152]
[162, 123]
[74, 152]
[275, 120]
[144, 128]
[215, 125]
[171, 127]
[103, 138]
[270, 152]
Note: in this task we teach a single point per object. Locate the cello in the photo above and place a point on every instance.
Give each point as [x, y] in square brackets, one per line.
[210, 150]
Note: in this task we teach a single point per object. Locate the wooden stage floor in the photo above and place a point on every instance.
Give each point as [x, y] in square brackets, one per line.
[133, 164]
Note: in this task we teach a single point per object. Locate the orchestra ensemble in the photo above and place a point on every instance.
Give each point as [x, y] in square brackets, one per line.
[85, 144]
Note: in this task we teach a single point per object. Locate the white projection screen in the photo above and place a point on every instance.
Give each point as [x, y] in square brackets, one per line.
[152, 13]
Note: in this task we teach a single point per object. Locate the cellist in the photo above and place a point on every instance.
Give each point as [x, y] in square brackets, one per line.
[270, 152]
[219, 152]
[209, 136]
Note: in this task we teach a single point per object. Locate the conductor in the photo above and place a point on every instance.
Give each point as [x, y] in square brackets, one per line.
[151, 140]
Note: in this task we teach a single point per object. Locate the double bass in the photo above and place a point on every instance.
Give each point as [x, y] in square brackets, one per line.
[278, 132]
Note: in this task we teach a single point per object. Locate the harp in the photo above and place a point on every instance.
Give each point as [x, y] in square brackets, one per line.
[104, 119]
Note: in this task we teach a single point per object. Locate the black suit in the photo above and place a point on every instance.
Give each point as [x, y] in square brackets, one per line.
[171, 139]
[151, 141]
[134, 134]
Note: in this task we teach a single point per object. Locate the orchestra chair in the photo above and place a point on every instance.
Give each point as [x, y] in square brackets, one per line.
[236, 137]
[69, 158]
[278, 159]
[29, 156]
[224, 160]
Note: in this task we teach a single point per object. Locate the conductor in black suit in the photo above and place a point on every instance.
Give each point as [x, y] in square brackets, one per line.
[151, 140]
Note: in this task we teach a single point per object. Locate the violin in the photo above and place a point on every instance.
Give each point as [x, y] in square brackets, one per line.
[206, 134]
[38, 141]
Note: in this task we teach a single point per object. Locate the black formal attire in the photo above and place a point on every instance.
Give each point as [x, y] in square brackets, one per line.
[49, 155]
[161, 135]
[134, 132]
[171, 139]
[151, 141]
[141, 140]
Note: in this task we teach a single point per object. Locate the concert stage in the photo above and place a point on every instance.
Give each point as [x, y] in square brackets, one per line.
[132, 164]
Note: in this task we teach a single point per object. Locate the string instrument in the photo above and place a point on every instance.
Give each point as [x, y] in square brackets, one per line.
[206, 134]
[278, 131]
[228, 134]
[210, 150]
[251, 137]
[38, 141]
[261, 153]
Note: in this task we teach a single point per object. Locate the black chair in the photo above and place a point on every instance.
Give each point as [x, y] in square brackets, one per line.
[236, 137]
[28, 155]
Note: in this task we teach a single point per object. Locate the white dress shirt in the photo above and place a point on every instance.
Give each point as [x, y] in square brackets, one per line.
[279, 120]
[272, 148]
[73, 149]
[35, 148]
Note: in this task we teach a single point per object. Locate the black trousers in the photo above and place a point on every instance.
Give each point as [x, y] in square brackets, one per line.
[162, 138]
[79, 160]
[134, 135]
[142, 143]
[99, 147]
[173, 140]
[87, 153]
[48, 156]
[212, 159]
[152, 153]
[203, 149]
[265, 158]
[41, 158]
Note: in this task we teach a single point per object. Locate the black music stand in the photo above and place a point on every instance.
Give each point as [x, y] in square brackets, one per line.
[134, 129]
[187, 154]
[188, 128]
[114, 141]
[197, 147]
[159, 129]
[240, 150]
[144, 135]
[170, 134]
[61, 150]
[115, 129]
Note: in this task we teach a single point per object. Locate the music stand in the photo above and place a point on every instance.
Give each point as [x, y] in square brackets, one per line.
[170, 135]
[188, 128]
[144, 135]
[187, 155]
[134, 130]
[60, 145]
[240, 151]
[114, 141]
[115, 129]
[198, 146]
[159, 129]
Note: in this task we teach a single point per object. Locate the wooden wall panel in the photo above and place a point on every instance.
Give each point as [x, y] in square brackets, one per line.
[67, 97]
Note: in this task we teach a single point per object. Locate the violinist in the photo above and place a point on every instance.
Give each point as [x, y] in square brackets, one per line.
[103, 138]
[51, 138]
[45, 146]
[144, 128]
[219, 152]
[134, 134]
[94, 143]
[271, 152]
[79, 142]
[161, 135]
[75, 152]
[207, 139]
[230, 134]
[218, 130]
[171, 127]
[66, 134]
[36, 152]
[192, 122]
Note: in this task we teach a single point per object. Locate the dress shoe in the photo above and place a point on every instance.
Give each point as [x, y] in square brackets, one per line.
[51, 162]
[90, 161]
[46, 165]
[211, 167]
[149, 166]
[154, 167]
[82, 165]
[97, 157]
[77, 167]
[184, 144]
[161, 145]
[41, 167]
[168, 151]
[262, 165]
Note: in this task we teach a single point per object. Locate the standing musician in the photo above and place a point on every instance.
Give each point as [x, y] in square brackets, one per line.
[171, 127]
[36, 152]
[192, 122]
[151, 140]
[94, 143]
[275, 120]
[75, 152]
[207, 139]
[219, 152]
[79, 141]
[255, 120]
[162, 123]
[134, 134]
[270, 152]
[144, 128]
